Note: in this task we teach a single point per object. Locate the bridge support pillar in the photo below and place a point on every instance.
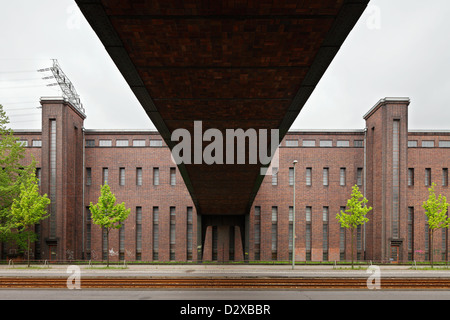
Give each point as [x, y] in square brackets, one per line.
[222, 238]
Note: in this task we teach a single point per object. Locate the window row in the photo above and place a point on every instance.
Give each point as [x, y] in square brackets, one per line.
[328, 143]
[34, 143]
[428, 180]
[325, 176]
[155, 231]
[428, 144]
[138, 178]
[124, 143]
[308, 232]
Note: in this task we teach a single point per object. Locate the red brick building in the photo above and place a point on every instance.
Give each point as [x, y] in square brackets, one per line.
[392, 166]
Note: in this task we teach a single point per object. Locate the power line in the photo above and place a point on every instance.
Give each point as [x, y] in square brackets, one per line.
[25, 79]
[7, 111]
[24, 115]
[17, 87]
[20, 102]
[19, 71]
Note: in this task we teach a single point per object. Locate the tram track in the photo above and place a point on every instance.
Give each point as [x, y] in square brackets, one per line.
[227, 283]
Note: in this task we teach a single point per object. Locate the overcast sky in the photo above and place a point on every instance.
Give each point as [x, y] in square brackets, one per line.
[398, 48]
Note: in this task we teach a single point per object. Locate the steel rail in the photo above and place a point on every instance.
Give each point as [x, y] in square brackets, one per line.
[227, 283]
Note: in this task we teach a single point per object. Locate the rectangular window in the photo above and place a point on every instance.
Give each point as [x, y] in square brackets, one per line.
[308, 214]
[38, 175]
[155, 143]
[275, 176]
[88, 214]
[342, 177]
[410, 231]
[291, 143]
[445, 177]
[105, 176]
[309, 143]
[325, 176]
[156, 176]
[172, 233]
[291, 176]
[104, 243]
[359, 176]
[325, 214]
[23, 143]
[342, 243]
[121, 176]
[325, 241]
[444, 244]
[343, 143]
[428, 144]
[308, 176]
[155, 232]
[358, 143]
[53, 174]
[291, 229]
[257, 232]
[138, 215]
[326, 143]
[121, 143]
[274, 214]
[274, 232]
[410, 177]
[395, 178]
[122, 242]
[444, 144]
[88, 176]
[308, 241]
[412, 144]
[173, 176]
[139, 143]
[139, 176]
[88, 238]
[90, 143]
[428, 177]
[105, 143]
[189, 233]
[37, 143]
[291, 214]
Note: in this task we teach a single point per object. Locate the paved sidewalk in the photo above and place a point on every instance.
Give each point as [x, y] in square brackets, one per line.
[231, 271]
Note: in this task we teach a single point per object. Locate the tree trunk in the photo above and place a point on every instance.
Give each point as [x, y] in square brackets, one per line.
[352, 246]
[431, 247]
[28, 249]
[107, 248]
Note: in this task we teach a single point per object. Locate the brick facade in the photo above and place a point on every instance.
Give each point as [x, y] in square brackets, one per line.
[377, 158]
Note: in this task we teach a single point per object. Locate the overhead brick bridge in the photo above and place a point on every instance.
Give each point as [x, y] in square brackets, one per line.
[230, 64]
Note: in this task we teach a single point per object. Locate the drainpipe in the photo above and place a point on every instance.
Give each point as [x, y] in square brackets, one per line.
[82, 207]
[364, 185]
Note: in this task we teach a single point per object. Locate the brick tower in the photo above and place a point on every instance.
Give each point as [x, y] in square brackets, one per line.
[387, 159]
[62, 179]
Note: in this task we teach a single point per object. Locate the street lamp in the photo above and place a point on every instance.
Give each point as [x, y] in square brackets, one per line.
[293, 223]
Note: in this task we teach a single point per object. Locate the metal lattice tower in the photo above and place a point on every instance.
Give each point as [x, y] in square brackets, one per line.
[67, 88]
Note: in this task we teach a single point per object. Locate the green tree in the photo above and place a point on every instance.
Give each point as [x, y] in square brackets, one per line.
[28, 209]
[436, 212]
[107, 214]
[356, 214]
[12, 173]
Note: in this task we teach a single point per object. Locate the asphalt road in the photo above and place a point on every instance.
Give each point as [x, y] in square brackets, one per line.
[235, 295]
